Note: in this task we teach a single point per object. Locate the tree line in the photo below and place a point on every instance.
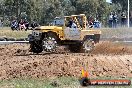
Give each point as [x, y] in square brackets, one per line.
[44, 11]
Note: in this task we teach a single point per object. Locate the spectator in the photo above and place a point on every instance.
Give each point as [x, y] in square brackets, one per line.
[91, 24]
[14, 25]
[0, 23]
[114, 20]
[96, 23]
[34, 24]
[21, 24]
[110, 20]
[26, 25]
[130, 19]
[123, 19]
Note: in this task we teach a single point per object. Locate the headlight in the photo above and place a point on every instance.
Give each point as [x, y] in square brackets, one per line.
[35, 33]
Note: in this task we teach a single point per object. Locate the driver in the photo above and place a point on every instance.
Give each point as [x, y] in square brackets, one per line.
[70, 23]
[74, 25]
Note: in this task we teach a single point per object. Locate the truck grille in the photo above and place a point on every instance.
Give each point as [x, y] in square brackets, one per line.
[35, 33]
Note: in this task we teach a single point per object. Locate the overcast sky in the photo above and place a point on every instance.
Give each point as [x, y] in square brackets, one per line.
[108, 1]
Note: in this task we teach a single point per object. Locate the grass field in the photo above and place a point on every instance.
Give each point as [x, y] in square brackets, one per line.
[7, 32]
[117, 32]
[62, 82]
[106, 33]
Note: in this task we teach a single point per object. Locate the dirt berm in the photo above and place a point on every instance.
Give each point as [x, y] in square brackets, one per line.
[107, 60]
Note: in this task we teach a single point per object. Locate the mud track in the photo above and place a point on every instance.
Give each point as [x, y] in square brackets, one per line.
[107, 60]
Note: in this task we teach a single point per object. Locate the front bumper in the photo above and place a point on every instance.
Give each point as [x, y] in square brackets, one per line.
[31, 37]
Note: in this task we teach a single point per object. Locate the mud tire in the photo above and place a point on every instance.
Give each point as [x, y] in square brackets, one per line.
[49, 43]
[36, 47]
[84, 47]
[87, 45]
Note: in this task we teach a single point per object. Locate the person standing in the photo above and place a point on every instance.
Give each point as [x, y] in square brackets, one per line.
[0, 23]
[110, 20]
[115, 20]
[123, 19]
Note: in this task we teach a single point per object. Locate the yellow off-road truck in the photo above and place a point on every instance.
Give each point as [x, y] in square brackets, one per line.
[72, 31]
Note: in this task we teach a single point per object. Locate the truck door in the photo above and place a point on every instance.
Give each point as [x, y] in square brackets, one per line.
[72, 33]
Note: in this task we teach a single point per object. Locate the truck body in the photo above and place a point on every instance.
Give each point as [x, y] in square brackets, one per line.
[70, 30]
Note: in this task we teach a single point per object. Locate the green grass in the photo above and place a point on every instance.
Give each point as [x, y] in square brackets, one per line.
[106, 32]
[62, 82]
[7, 32]
[117, 32]
[37, 83]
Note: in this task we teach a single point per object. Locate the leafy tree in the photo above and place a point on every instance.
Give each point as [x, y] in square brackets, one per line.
[44, 11]
[124, 4]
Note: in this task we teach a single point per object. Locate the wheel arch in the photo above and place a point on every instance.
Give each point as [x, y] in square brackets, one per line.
[50, 33]
[95, 37]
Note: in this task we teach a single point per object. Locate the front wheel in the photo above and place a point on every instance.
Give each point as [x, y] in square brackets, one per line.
[36, 47]
[49, 44]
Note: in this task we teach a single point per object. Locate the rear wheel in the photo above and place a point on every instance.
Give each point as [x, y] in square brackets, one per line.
[87, 45]
[84, 47]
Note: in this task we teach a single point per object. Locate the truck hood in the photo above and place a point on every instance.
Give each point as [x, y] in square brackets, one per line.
[48, 27]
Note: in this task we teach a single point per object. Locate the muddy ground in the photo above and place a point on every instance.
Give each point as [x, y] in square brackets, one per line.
[107, 60]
